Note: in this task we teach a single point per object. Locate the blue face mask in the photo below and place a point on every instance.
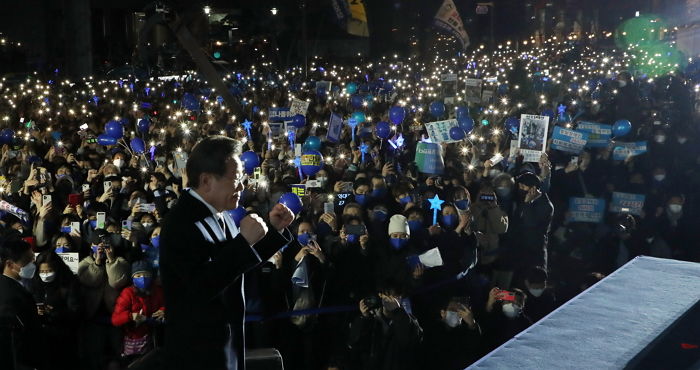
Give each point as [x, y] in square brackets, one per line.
[462, 204]
[304, 238]
[155, 241]
[405, 200]
[93, 224]
[352, 238]
[65, 229]
[94, 249]
[361, 199]
[143, 282]
[398, 243]
[415, 226]
[380, 216]
[145, 247]
[379, 193]
[63, 249]
[450, 221]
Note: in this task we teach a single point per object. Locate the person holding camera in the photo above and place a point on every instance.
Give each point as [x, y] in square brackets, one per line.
[452, 339]
[503, 317]
[385, 336]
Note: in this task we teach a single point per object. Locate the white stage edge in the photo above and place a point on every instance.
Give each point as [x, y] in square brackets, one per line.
[608, 324]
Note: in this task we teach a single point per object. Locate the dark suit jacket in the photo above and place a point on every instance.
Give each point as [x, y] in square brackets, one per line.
[18, 309]
[202, 274]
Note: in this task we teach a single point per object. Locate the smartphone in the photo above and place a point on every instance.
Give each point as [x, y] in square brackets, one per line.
[257, 172]
[496, 159]
[91, 140]
[59, 149]
[84, 126]
[297, 150]
[75, 199]
[75, 227]
[487, 197]
[355, 229]
[180, 160]
[107, 185]
[101, 218]
[45, 199]
[574, 160]
[86, 187]
[126, 225]
[147, 207]
[347, 187]
[328, 207]
[505, 295]
[313, 184]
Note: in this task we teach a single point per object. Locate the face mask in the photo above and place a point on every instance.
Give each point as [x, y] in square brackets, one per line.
[511, 310]
[143, 282]
[452, 319]
[522, 194]
[405, 200]
[304, 238]
[155, 241]
[118, 162]
[65, 229]
[536, 292]
[462, 204]
[379, 192]
[136, 201]
[47, 277]
[503, 192]
[380, 216]
[682, 140]
[660, 139]
[622, 83]
[361, 199]
[659, 177]
[27, 272]
[352, 238]
[415, 226]
[494, 173]
[60, 176]
[450, 221]
[20, 231]
[398, 243]
[93, 224]
[62, 249]
[147, 225]
[675, 208]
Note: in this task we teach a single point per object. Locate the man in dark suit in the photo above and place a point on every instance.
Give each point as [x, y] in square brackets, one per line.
[19, 320]
[204, 257]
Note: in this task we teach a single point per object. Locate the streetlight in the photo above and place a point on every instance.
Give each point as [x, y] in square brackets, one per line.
[273, 11]
[207, 9]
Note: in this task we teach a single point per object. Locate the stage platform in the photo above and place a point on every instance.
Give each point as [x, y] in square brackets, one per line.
[645, 315]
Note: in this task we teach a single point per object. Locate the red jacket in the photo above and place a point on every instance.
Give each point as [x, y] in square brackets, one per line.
[129, 302]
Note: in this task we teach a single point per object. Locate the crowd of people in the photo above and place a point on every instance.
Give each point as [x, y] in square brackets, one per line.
[376, 278]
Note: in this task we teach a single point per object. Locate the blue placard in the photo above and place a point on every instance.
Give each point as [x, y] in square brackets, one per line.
[335, 127]
[569, 141]
[623, 151]
[599, 135]
[429, 158]
[280, 115]
[586, 210]
[627, 203]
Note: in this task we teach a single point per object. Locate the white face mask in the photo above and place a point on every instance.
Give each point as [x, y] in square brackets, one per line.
[536, 292]
[452, 319]
[622, 83]
[27, 272]
[675, 208]
[511, 310]
[659, 177]
[47, 277]
[494, 173]
[682, 140]
[118, 162]
[660, 139]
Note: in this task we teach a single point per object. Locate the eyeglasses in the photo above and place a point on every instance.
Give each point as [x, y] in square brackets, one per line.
[241, 179]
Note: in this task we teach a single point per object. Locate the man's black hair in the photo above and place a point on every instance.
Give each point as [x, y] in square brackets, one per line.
[537, 275]
[13, 249]
[209, 156]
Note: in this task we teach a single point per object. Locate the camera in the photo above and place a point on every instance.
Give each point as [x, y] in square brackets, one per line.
[373, 302]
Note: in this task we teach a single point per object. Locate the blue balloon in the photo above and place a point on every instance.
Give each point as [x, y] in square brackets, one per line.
[143, 124]
[383, 130]
[137, 145]
[397, 115]
[124, 121]
[105, 139]
[250, 160]
[466, 123]
[621, 128]
[359, 117]
[351, 88]
[311, 162]
[114, 129]
[237, 215]
[369, 99]
[457, 133]
[312, 143]
[356, 101]
[292, 201]
[437, 108]
[462, 112]
[298, 121]
[7, 136]
[512, 124]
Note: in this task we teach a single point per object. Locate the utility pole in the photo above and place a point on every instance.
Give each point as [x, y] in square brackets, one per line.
[305, 42]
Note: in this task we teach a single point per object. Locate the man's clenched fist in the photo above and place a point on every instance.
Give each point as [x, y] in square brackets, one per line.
[253, 228]
[281, 217]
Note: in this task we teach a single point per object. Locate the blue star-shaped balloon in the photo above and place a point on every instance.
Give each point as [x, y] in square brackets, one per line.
[246, 125]
[147, 90]
[291, 135]
[297, 164]
[364, 149]
[96, 99]
[561, 109]
[397, 141]
[435, 205]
